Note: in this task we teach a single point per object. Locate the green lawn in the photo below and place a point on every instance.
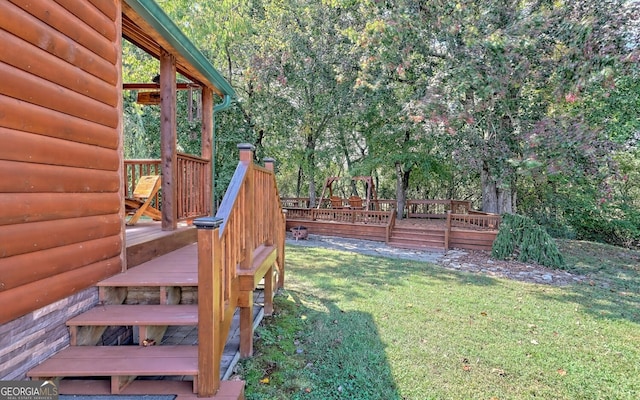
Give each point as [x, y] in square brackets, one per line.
[350, 326]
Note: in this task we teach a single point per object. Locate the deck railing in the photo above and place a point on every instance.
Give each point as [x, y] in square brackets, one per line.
[338, 215]
[458, 216]
[192, 173]
[474, 219]
[413, 208]
[295, 202]
[134, 169]
[249, 216]
[193, 200]
[435, 208]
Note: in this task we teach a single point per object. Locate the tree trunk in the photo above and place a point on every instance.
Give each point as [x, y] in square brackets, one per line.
[497, 197]
[402, 183]
[299, 181]
[310, 164]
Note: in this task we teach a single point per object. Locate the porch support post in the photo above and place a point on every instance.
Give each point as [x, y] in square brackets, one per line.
[168, 141]
[207, 146]
[210, 341]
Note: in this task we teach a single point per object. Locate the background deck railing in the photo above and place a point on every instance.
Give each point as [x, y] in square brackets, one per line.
[337, 215]
[463, 227]
[475, 220]
[413, 208]
[192, 172]
[250, 216]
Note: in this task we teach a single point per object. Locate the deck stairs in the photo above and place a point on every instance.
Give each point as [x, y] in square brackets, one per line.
[417, 237]
[153, 298]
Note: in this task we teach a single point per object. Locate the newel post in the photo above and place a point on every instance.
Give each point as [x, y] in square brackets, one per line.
[209, 305]
[270, 164]
[246, 157]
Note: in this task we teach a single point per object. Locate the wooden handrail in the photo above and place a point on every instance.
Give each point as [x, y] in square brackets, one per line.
[390, 225]
[250, 217]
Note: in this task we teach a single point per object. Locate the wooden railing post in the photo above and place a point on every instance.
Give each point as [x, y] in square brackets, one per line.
[447, 231]
[246, 157]
[270, 165]
[209, 305]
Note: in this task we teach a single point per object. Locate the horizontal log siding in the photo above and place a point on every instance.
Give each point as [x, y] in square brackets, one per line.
[26, 147]
[54, 69]
[24, 238]
[30, 297]
[25, 268]
[43, 178]
[30, 29]
[60, 184]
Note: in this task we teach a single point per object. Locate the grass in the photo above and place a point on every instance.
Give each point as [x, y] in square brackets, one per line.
[350, 326]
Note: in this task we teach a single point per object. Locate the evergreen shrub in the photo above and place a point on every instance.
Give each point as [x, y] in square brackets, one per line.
[520, 238]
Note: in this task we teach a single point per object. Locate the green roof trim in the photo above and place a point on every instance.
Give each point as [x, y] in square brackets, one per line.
[160, 21]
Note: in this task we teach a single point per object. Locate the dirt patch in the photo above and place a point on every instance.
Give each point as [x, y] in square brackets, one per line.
[481, 262]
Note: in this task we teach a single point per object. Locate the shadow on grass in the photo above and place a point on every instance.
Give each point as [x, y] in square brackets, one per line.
[613, 288]
[311, 349]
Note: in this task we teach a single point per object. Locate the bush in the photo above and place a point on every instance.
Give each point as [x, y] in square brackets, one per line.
[520, 238]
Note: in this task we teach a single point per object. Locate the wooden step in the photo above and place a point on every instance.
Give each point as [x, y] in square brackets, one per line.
[145, 241]
[151, 320]
[415, 236]
[417, 245]
[135, 314]
[178, 268]
[229, 390]
[120, 363]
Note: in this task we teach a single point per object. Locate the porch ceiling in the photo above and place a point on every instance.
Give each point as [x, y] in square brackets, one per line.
[146, 26]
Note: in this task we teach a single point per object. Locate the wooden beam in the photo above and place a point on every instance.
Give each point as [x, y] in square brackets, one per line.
[168, 140]
[207, 143]
[138, 86]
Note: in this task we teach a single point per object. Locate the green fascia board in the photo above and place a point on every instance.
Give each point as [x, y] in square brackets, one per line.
[160, 21]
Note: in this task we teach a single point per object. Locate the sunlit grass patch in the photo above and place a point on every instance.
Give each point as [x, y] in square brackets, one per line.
[350, 326]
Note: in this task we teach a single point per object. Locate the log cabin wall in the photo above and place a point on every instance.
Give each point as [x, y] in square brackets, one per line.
[61, 227]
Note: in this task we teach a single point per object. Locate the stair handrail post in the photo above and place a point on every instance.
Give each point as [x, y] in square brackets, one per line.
[248, 192]
[391, 222]
[271, 237]
[210, 305]
[447, 231]
[270, 165]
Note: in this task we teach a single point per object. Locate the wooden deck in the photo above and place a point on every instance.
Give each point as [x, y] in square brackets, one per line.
[146, 240]
[410, 233]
